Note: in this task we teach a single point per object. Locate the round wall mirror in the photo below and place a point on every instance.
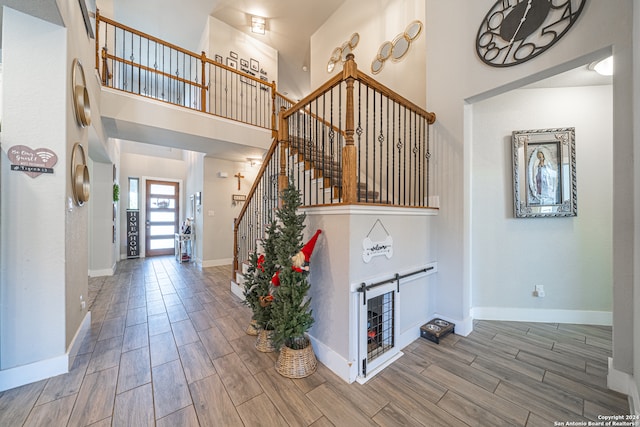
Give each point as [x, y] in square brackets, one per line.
[413, 30]
[385, 51]
[353, 41]
[377, 65]
[400, 47]
[331, 65]
[346, 49]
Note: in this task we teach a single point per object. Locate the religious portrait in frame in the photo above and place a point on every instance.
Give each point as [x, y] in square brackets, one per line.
[544, 173]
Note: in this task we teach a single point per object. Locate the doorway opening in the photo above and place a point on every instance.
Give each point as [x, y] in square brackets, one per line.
[162, 213]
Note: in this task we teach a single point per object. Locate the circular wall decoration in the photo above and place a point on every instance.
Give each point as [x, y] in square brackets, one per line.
[514, 32]
[340, 53]
[398, 48]
[81, 104]
[80, 183]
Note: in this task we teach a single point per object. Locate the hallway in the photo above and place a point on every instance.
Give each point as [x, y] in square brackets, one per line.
[167, 347]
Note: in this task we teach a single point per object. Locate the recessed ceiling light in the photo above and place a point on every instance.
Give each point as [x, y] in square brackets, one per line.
[603, 67]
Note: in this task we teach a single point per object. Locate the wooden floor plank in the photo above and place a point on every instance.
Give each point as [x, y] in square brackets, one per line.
[170, 390]
[294, 406]
[240, 386]
[213, 404]
[337, 408]
[477, 395]
[503, 373]
[260, 411]
[133, 408]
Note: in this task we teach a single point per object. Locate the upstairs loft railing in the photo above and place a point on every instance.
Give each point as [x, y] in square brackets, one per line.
[138, 63]
[351, 141]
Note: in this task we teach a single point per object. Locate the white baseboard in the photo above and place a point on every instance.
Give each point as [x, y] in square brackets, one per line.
[624, 383]
[216, 262]
[237, 290]
[77, 340]
[343, 368]
[32, 372]
[584, 317]
[104, 272]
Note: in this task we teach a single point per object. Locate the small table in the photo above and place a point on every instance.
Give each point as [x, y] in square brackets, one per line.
[183, 247]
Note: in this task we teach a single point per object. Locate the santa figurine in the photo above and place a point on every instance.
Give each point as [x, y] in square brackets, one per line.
[300, 261]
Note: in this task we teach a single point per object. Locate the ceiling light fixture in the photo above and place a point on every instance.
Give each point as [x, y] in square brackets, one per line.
[258, 25]
[603, 67]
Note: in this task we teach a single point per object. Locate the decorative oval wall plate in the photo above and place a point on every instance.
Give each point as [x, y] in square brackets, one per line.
[81, 104]
[80, 182]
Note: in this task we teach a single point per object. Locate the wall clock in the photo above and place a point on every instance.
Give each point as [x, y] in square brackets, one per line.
[514, 31]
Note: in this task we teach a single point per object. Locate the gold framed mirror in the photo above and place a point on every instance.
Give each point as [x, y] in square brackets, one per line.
[81, 104]
[80, 181]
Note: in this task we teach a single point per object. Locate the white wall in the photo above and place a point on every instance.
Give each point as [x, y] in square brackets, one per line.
[33, 250]
[194, 184]
[218, 210]
[456, 75]
[379, 21]
[570, 256]
[102, 261]
[223, 38]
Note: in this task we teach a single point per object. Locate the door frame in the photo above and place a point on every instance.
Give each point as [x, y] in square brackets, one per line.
[143, 210]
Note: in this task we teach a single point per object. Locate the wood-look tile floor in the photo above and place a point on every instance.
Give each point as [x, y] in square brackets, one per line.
[167, 347]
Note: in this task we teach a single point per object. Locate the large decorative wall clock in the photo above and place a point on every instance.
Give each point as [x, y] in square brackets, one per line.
[515, 31]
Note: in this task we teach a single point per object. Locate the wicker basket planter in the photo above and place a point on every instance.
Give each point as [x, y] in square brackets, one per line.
[297, 363]
[264, 342]
[252, 328]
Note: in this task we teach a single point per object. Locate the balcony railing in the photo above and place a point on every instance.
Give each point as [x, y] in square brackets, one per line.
[138, 63]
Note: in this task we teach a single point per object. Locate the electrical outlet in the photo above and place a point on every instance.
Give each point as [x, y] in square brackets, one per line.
[539, 291]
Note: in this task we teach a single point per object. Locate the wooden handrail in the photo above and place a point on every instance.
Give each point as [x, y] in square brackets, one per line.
[153, 70]
[334, 81]
[395, 96]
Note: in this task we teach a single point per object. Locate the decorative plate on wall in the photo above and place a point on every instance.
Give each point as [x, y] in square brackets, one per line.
[81, 105]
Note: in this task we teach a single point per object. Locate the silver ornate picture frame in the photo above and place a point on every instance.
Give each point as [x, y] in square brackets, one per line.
[544, 173]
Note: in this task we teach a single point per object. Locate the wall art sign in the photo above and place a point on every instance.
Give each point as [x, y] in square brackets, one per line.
[544, 173]
[373, 249]
[133, 230]
[32, 162]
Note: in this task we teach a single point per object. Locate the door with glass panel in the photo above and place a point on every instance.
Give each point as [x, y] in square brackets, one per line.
[162, 217]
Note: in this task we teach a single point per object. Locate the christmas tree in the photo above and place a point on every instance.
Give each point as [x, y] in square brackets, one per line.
[291, 314]
[258, 278]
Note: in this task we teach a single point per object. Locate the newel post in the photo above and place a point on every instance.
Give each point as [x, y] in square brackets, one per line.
[283, 139]
[349, 173]
[203, 90]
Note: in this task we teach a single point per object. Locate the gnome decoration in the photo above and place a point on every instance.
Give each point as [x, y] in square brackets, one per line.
[300, 261]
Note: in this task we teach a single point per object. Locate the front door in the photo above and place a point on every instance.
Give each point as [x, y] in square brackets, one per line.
[162, 217]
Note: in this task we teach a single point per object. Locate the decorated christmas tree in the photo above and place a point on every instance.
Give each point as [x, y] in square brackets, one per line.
[291, 313]
[257, 289]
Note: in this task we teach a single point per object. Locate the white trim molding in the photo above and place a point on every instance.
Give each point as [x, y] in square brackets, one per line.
[585, 317]
[623, 383]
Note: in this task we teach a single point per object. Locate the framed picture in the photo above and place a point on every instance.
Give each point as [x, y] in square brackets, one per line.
[248, 81]
[233, 54]
[255, 65]
[544, 173]
[244, 63]
[232, 63]
[218, 58]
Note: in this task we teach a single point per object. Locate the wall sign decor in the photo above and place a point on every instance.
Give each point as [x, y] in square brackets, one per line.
[373, 249]
[32, 162]
[133, 230]
[513, 32]
[255, 65]
[81, 104]
[80, 183]
[544, 173]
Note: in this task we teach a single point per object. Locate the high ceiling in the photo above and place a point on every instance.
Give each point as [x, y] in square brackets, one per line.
[290, 24]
